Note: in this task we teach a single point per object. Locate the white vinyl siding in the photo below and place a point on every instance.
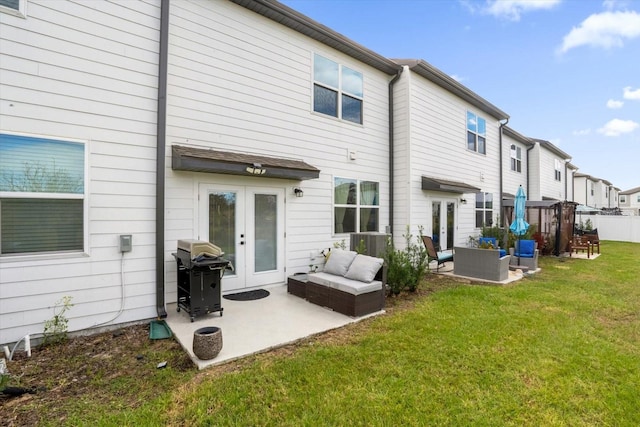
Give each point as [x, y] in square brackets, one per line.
[241, 82]
[429, 142]
[86, 71]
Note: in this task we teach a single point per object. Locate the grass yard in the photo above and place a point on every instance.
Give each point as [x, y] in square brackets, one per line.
[561, 348]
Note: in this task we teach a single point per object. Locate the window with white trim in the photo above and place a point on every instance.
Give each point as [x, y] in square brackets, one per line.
[558, 170]
[476, 133]
[623, 199]
[42, 195]
[638, 199]
[355, 205]
[516, 158]
[337, 90]
[484, 210]
[14, 7]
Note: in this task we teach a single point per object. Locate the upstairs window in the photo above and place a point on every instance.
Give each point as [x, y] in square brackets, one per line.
[623, 199]
[558, 170]
[337, 90]
[592, 190]
[42, 195]
[484, 210]
[516, 158]
[356, 205]
[476, 133]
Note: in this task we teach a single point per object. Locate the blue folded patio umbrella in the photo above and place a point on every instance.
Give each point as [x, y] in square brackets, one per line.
[519, 226]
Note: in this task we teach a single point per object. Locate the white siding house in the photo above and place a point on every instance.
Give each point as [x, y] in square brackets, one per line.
[515, 148]
[630, 201]
[78, 99]
[548, 172]
[446, 156]
[248, 84]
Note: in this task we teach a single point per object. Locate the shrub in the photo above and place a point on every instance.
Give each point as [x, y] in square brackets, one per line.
[406, 267]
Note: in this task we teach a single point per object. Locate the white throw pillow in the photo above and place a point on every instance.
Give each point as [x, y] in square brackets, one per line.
[364, 268]
[339, 262]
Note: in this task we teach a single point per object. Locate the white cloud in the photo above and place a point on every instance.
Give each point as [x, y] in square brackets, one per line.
[606, 30]
[613, 104]
[513, 9]
[617, 127]
[582, 132]
[631, 94]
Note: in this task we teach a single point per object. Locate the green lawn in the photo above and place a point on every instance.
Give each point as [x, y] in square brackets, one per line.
[559, 348]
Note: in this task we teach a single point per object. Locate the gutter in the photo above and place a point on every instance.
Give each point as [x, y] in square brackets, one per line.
[391, 150]
[161, 133]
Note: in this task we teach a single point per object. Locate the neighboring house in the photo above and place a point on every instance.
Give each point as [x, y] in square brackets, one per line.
[572, 170]
[515, 150]
[446, 156]
[78, 104]
[548, 170]
[629, 201]
[595, 192]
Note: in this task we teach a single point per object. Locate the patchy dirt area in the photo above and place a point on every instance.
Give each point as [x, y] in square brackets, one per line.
[120, 368]
[78, 368]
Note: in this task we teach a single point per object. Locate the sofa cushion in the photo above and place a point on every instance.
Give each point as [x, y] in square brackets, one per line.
[339, 262]
[354, 287]
[364, 268]
[525, 248]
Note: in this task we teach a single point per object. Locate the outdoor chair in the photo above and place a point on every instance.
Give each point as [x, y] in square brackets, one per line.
[434, 255]
[580, 243]
[494, 242]
[594, 240]
[525, 253]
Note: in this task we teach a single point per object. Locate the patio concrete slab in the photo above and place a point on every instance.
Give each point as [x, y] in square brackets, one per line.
[250, 327]
[447, 270]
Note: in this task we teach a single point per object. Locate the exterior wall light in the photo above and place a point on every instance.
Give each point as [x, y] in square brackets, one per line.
[256, 169]
[298, 192]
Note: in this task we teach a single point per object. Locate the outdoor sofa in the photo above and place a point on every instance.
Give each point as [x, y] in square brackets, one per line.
[484, 264]
[350, 284]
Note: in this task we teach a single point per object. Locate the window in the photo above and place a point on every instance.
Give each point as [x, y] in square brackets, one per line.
[42, 192]
[638, 199]
[356, 205]
[558, 170]
[484, 210]
[476, 133]
[337, 90]
[623, 199]
[592, 190]
[14, 7]
[516, 158]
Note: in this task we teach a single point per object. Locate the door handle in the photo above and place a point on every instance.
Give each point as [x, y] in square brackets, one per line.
[242, 242]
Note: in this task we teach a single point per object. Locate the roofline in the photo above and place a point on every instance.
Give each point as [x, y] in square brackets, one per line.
[296, 21]
[631, 191]
[516, 135]
[431, 73]
[549, 146]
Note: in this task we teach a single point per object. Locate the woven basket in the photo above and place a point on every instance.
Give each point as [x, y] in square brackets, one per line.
[207, 342]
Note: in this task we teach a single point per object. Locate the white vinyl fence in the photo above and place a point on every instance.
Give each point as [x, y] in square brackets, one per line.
[614, 227]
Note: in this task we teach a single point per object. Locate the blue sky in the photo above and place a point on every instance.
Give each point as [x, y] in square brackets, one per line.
[567, 71]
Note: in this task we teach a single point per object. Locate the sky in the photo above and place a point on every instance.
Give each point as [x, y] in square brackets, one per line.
[565, 71]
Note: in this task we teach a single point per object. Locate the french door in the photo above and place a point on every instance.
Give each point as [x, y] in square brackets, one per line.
[248, 224]
[443, 214]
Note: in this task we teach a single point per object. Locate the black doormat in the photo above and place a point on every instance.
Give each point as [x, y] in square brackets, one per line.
[248, 296]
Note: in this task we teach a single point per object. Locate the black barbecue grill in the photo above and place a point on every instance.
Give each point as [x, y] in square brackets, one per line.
[199, 278]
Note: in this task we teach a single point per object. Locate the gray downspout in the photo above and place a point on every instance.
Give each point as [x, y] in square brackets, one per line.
[391, 148]
[528, 169]
[501, 171]
[160, 154]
